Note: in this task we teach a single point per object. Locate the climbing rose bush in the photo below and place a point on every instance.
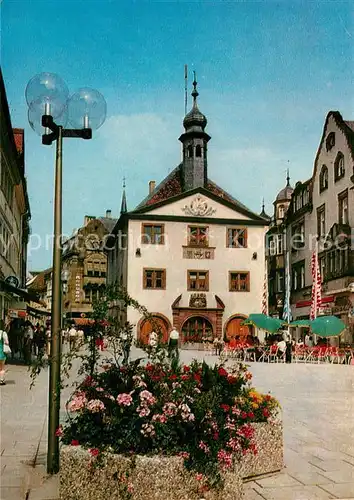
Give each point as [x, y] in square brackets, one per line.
[202, 413]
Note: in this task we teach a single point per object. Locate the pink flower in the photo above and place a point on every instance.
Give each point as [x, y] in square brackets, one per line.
[204, 447]
[148, 430]
[225, 459]
[234, 444]
[186, 413]
[77, 403]
[236, 411]
[130, 488]
[59, 432]
[147, 398]
[184, 454]
[159, 418]
[138, 381]
[143, 412]
[170, 409]
[199, 477]
[99, 389]
[124, 399]
[75, 442]
[95, 406]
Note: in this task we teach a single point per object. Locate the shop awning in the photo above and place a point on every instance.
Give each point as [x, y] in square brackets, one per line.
[82, 321]
[40, 312]
[6, 287]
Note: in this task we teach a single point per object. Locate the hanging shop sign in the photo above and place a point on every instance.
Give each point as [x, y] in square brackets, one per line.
[13, 281]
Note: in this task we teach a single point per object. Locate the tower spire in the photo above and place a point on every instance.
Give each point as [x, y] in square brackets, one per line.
[287, 177]
[195, 92]
[123, 207]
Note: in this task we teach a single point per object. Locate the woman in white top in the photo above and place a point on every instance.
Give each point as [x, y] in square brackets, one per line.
[4, 341]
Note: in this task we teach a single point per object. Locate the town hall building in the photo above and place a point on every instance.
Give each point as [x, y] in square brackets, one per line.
[190, 252]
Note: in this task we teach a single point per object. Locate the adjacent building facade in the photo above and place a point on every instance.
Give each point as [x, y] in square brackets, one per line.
[14, 214]
[190, 252]
[85, 268]
[320, 216]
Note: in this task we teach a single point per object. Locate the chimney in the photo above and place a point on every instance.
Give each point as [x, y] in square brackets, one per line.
[108, 214]
[152, 185]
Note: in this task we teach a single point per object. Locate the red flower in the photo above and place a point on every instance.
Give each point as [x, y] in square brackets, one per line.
[186, 368]
[251, 414]
[75, 442]
[185, 377]
[222, 372]
[88, 380]
[94, 452]
[122, 369]
[216, 436]
[243, 414]
[59, 431]
[155, 378]
[265, 412]
[225, 407]
[197, 378]
[173, 377]
[149, 367]
[268, 397]
[231, 379]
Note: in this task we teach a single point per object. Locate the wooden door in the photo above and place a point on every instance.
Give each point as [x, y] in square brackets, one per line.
[236, 329]
[159, 326]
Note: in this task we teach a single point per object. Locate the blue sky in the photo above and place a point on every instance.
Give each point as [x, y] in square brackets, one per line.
[268, 73]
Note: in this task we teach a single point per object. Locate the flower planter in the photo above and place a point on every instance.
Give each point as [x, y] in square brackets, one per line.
[159, 477]
[268, 439]
[145, 478]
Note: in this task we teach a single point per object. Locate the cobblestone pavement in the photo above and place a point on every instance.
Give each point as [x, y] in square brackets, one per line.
[318, 409]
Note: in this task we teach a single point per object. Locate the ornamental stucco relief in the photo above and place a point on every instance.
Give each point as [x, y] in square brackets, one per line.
[198, 207]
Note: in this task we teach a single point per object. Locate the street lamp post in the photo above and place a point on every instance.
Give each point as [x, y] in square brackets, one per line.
[49, 109]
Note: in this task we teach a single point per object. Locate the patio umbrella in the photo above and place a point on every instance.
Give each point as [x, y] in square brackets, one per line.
[264, 322]
[327, 326]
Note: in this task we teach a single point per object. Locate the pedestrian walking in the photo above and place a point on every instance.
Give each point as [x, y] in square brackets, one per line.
[4, 350]
[72, 337]
[288, 347]
[28, 342]
[173, 343]
[80, 337]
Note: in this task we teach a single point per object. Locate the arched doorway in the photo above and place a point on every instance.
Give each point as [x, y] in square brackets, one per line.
[234, 328]
[159, 324]
[196, 329]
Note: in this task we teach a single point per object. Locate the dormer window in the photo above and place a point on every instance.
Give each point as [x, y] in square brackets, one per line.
[330, 141]
[339, 169]
[323, 178]
[198, 151]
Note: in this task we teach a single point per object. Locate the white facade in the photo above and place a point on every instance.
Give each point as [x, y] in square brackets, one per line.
[171, 256]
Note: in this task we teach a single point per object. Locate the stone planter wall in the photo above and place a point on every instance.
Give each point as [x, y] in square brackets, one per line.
[153, 478]
[269, 442]
[159, 477]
